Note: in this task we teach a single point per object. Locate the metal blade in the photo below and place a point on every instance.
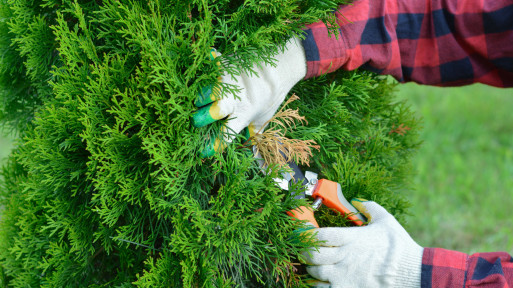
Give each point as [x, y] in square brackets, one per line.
[294, 174]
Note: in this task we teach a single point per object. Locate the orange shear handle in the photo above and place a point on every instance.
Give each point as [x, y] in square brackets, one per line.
[331, 194]
[304, 213]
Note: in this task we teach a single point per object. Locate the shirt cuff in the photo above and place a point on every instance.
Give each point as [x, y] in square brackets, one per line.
[443, 268]
[324, 53]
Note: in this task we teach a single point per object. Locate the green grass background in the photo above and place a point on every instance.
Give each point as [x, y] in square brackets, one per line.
[463, 196]
[5, 145]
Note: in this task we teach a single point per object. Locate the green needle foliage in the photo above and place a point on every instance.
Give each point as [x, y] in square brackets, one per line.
[106, 187]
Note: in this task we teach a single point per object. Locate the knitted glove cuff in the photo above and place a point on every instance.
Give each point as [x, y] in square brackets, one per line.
[411, 263]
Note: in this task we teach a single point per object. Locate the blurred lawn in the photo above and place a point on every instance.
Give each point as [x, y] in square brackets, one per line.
[5, 146]
[464, 169]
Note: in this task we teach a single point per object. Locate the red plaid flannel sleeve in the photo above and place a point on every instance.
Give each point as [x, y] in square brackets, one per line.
[436, 42]
[445, 268]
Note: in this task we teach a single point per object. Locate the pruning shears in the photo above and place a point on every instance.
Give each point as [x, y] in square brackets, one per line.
[323, 191]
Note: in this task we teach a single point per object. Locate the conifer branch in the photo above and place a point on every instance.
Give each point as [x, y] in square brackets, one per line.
[106, 169]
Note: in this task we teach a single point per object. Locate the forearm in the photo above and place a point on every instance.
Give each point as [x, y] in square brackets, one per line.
[445, 268]
[435, 43]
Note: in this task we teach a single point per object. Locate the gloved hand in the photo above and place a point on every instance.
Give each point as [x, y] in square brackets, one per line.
[259, 97]
[381, 254]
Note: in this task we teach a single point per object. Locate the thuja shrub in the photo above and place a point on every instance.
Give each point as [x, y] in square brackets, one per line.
[106, 187]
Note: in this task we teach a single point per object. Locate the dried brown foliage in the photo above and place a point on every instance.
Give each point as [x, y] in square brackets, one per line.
[274, 147]
[401, 129]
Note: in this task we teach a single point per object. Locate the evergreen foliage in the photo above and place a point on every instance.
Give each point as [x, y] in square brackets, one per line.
[106, 187]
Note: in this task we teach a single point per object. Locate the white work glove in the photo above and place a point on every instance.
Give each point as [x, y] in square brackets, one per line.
[259, 97]
[381, 254]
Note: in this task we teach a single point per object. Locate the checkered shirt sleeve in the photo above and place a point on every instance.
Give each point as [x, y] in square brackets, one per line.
[445, 268]
[435, 42]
